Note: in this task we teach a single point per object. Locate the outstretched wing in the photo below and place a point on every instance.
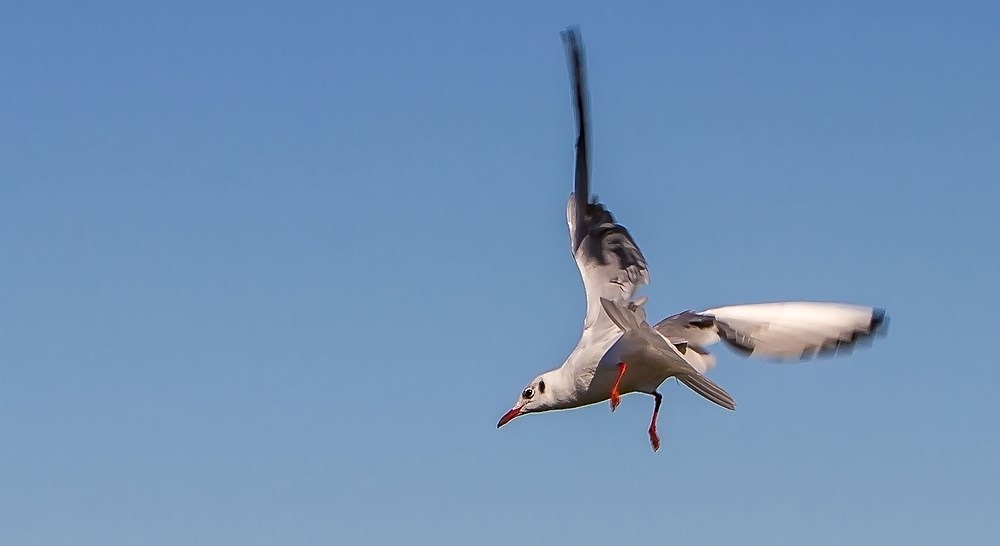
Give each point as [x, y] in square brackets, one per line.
[780, 331]
[610, 262]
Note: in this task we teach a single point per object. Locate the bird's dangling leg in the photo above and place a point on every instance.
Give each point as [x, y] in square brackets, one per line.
[615, 397]
[654, 439]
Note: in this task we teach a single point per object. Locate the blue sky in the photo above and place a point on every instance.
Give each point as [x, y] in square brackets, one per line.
[271, 273]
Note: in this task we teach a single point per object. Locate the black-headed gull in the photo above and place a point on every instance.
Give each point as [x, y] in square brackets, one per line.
[619, 353]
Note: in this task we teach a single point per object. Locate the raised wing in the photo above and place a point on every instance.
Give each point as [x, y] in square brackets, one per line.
[611, 264]
[780, 331]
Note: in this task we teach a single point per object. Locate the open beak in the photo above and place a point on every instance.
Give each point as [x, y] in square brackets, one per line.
[507, 417]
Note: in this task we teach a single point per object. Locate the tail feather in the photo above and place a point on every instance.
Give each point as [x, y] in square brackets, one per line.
[705, 387]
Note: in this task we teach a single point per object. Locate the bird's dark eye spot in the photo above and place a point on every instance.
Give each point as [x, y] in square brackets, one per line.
[541, 387]
[528, 393]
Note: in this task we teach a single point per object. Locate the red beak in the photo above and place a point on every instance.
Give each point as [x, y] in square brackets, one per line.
[508, 416]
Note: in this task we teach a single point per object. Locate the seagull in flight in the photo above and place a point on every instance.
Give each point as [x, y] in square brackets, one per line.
[620, 353]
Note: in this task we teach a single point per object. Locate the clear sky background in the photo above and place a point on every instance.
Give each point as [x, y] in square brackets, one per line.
[269, 274]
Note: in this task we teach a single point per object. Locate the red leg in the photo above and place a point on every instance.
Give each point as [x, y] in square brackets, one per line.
[615, 397]
[654, 439]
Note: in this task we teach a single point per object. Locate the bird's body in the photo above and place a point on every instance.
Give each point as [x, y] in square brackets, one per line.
[590, 371]
[619, 352]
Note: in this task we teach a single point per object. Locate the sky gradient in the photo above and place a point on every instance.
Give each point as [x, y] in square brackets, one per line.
[270, 274]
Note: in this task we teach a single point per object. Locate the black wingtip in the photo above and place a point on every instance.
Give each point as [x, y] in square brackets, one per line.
[572, 32]
[879, 323]
[574, 44]
[581, 184]
[877, 327]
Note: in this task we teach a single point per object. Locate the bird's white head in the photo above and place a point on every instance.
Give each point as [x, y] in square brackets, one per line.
[539, 395]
